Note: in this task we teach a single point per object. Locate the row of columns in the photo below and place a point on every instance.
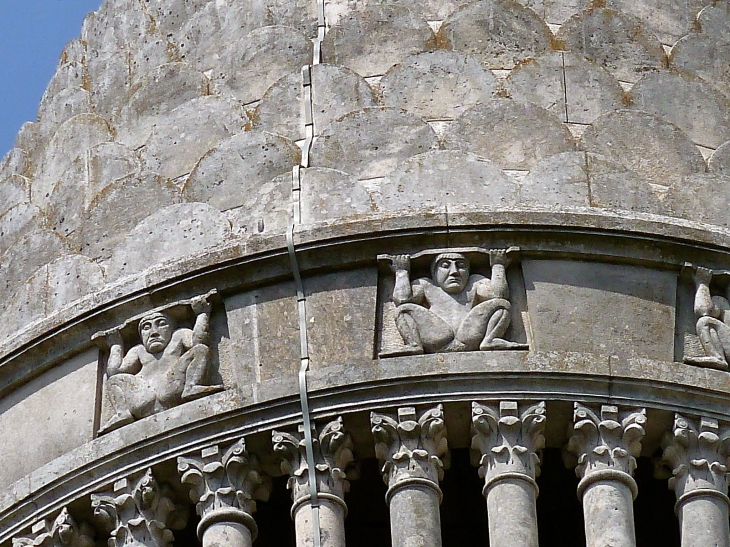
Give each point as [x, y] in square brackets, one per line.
[412, 448]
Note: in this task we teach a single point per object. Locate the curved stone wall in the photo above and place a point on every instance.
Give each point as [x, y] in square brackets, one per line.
[180, 145]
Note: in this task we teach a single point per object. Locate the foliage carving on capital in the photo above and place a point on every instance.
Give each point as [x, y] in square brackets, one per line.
[231, 480]
[609, 438]
[411, 446]
[508, 438]
[140, 512]
[697, 453]
[63, 531]
[333, 460]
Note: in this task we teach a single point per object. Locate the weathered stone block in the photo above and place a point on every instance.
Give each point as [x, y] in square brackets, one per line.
[500, 33]
[16, 222]
[706, 55]
[235, 171]
[249, 66]
[677, 19]
[266, 208]
[651, 147]
[700, 111]
[714, 19]
[557, 181]
[341, 317]
[437, 85]
[619, 43]
[369, 143]
[376, 37]
[264, 334]
[328, 194]
[513, 135]
[179, 140]
[702, 197]
[119, 208]
[172, 233]
[720, 160]
[601, 308]
[447, 177]
[48, 416]
[14, 190]
[151, 100]
[335, 90]
[24, 257]
[551, 80]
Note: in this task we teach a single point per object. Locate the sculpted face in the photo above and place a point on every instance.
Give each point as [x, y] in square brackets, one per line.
[64, 527]
[156, 332]
[451, 272]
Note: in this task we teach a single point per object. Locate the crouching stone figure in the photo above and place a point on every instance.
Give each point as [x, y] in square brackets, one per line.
[168, 368]
[454, 310]
[713, 323]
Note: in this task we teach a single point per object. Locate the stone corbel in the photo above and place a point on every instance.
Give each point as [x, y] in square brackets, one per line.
[63, 531]
[411, 448]
[508, 439]
[225, 486]
[139, 512]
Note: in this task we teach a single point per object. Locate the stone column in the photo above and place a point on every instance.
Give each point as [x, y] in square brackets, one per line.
[63, 531]
[509, 437]
[410, 449]
[697, 451]
[332, 456]
[225, 488]
[140, 512]
[604, 447]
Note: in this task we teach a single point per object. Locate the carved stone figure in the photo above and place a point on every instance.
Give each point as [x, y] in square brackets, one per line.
[713, 323]
[454, 310]
[168, 368]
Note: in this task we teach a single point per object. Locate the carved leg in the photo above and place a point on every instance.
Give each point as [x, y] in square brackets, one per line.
[421, 329]
[196, 361]
[715, 339]
[131, 398]
[485, 325]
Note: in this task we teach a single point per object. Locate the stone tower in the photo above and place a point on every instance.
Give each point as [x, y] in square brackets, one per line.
[434, 267]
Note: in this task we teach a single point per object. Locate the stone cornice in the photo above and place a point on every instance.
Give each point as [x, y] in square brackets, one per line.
[33, 349]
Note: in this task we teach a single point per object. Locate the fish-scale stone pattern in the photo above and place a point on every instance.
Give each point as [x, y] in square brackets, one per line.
[179, 122]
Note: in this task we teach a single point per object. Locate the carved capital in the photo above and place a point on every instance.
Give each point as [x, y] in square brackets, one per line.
[697, 452]
[509, 439]
[225, 486]
[332, 457]
[139, 512]
[63, 531]
[605, 444]
[411, 448]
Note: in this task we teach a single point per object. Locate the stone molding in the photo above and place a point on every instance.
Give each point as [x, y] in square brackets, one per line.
[605, 444]
[509, 438]
[225, 486]
[697, 452]
[412, 448]
[139, 512]
[63, 531]
[332, 457]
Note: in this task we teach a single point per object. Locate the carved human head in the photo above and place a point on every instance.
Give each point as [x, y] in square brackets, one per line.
[450, 271]
[155, 330]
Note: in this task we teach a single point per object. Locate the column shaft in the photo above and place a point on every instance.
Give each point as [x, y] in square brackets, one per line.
[608, 512]
[331, 524]
[703, 521]
[227, 534]
[512, 513]
[415, 520]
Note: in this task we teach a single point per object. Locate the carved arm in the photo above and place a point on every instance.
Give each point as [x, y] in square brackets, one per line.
[499, 259]
[201, 307]
[403, 291]
[703, 305]
[118, 363]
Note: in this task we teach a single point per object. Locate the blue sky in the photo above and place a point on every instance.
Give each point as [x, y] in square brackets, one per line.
[32, 35]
